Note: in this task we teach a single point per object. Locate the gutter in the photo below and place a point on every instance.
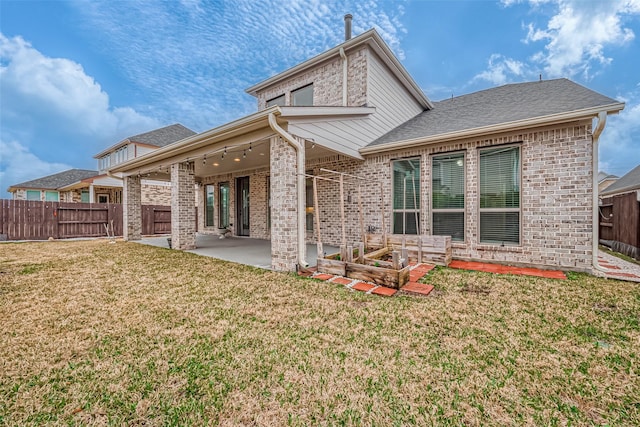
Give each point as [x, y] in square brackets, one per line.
[601, 122]
[345, 66]
[302, 247]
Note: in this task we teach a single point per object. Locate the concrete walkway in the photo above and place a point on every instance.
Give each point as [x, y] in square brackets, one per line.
[243, 250]
[616, 268]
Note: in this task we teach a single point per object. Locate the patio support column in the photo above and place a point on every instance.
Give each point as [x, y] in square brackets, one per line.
[183, 206]
[284, 219]
[132, 208]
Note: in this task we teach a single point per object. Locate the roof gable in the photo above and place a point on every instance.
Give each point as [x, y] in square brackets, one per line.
[57, 180]
[158, 138]
[516, 102]
[370, 38]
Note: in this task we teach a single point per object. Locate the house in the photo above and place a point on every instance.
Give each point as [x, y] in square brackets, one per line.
[91, 186]
[510, 172]
[605, 180]
[620, 214]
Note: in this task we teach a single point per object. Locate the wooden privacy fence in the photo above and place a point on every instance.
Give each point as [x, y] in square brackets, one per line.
[620, 223]
[34, 220]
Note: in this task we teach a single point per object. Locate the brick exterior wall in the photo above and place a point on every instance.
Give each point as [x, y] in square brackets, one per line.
[556, 188]
[284, 220]
[183, 220]
[156, 193]
[327, 82]
[132, 209]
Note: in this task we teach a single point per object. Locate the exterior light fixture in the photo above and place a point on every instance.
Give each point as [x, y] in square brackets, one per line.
[204, 161]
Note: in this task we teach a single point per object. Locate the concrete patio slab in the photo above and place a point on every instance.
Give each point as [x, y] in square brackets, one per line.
[243, 250]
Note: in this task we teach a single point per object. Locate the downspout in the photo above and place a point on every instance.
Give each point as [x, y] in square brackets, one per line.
[302, 246]
[600, 124]
[345, 67]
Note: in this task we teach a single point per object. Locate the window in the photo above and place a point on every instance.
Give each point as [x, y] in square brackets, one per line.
[103, 198]
[447, 202]
[104, 162]
[84, 196]
[406, 196]
[223, 207]
[309, 198]
[120, 155]
[208, 212]
[500, 195]
[51, 196]
[278, 100]
[302, 97]
[117, 196]
[269, 203]
[33, 195]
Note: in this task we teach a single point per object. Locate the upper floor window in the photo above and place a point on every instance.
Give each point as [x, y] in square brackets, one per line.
[278, 100]
[302, 97]
[500, 195]
[104, 162]
[121, 155]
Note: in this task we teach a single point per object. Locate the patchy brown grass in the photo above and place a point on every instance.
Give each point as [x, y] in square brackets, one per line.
[103, 334]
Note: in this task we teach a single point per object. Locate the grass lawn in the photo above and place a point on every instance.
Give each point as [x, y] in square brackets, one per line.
[126, 334]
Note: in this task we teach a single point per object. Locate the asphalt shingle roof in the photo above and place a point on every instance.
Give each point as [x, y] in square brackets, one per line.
[630, 182]
[503, 104]
[163, 136]
[57, 180]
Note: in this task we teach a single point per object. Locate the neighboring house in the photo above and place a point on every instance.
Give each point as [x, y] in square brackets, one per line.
[48, 187]
[509, 172]
[605, 180]
[89, 186]
[620, 214]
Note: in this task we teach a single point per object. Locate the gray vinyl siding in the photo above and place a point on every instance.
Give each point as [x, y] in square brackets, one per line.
[394, 104]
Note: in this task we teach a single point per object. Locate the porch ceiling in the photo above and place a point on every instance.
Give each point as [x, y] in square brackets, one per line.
[244, 144]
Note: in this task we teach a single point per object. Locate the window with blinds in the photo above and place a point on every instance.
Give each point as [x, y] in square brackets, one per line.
[447, 200]
[500, 195]
[406, 196]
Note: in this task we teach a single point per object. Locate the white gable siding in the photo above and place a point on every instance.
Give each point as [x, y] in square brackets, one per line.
[394, 104]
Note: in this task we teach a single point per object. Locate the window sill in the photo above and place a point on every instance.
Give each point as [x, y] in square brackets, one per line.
[498, 248]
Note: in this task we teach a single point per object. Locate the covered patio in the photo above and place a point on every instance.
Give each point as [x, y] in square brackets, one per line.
[243, 250]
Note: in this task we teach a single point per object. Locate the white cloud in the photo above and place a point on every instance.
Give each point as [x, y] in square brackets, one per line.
[501, 70]
[18, 164]
[619, 148]
[575, 39]
[206, 65]
[578, 34]
[37, 85]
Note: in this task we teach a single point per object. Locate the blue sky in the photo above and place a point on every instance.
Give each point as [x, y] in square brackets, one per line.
[78, 76]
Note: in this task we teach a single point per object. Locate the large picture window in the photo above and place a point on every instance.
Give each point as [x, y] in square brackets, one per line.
[209, 199]
[406, 196]
[223, 207]
[500, 195]
[447, 202]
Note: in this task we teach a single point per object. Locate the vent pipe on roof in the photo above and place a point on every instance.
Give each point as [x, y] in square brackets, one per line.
[347, 26]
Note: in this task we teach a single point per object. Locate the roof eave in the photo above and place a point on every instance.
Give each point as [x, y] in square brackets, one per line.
[325, 112]
[193, 142]
[587, 113]
[623, 190]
